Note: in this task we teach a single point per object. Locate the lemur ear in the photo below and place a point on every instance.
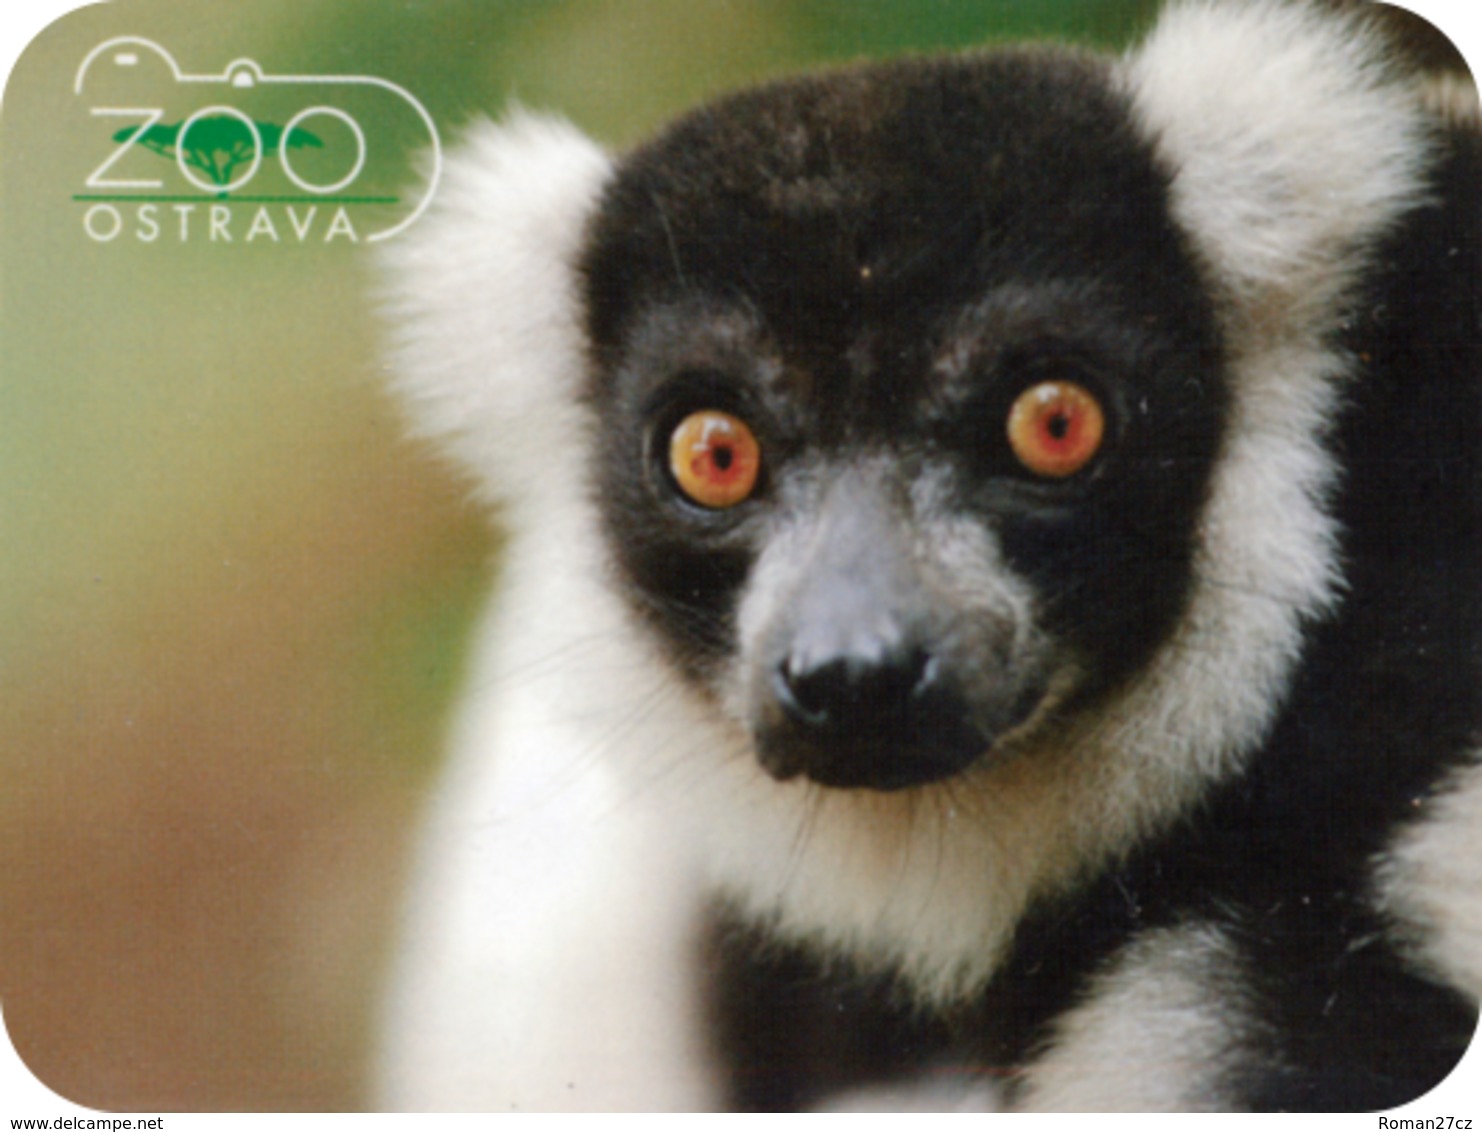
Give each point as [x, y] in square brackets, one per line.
[489, 350]
[1293, 139]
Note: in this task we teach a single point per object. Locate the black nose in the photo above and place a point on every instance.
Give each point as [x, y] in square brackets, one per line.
[881, 717]
[844, 695]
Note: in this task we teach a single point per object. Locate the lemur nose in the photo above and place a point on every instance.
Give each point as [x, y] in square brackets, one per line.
[848, 696]
[877, 718]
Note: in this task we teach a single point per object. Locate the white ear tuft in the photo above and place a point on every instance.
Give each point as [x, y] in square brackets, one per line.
[1292, 143]
[487, 345]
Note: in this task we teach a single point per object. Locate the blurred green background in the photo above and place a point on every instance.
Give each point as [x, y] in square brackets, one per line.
[233, 601]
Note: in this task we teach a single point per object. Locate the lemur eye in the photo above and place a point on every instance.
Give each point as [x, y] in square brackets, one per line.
[1055, 428]
[715, 459]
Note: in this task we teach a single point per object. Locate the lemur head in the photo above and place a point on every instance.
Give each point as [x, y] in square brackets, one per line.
[955, 432]
[910, 392]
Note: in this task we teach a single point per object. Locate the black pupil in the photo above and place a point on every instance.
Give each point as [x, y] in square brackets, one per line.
[1058, 426]
[722, 457]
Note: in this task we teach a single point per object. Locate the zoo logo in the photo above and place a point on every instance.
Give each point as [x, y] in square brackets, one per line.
[258, 174]
[215, 144]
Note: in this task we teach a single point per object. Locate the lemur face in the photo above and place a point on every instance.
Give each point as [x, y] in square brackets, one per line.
[903, 444]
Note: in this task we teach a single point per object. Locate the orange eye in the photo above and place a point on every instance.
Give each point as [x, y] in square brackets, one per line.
[715, 459]
[1055, 428]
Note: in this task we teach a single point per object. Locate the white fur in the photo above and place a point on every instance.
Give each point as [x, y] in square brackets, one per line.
[1430, 883]
[487, 353]
[1292, 142]
[549, 954]
[1454, 99]
[947, 1092]
[592, 798]
[546, 960]
[1154, 1034]
[1291, 153]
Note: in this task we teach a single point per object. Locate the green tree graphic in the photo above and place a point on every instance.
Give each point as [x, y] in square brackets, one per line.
[220, 144]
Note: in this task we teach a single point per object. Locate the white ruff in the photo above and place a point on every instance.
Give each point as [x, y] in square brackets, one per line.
[1430, 882]
[1153, 1035]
